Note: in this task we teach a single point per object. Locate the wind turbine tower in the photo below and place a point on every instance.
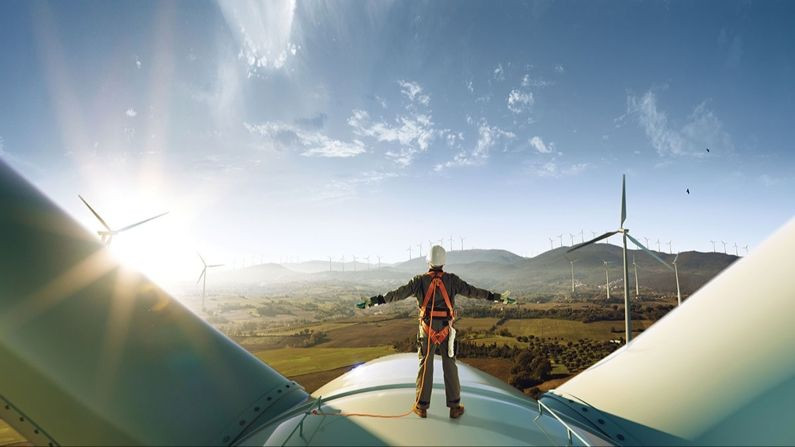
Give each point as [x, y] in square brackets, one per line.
[329, 263]
[571, 261]
[462, 242]
[676, 272]
[419, 247]
[724, 246]
[713, 246]
[550, 243]
[736, 253]
[560, 237]
[582, 236]
[607, 280]
[670, 248]
[203, 277]
[451, 243]
[658, 246]
[409, 250]
[571, 237]
[637, 288]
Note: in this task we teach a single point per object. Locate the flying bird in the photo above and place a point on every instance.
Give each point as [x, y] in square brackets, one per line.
[707, 149]
[688, 190]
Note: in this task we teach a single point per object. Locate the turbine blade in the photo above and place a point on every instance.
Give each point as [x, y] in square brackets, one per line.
[141, 222]
[604, 236]
[639, 245]
[676, 257]
[200, 257]
[100, 219]
[623, 199]
[202, 274]
[215, 265]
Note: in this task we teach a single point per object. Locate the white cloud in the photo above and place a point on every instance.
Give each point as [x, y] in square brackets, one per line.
[137, 62]
[702, 128]
[413, 92]
[499, 73]
[131, 113]
[559, 68]
[263, 31]
[519, 101]
[313, 144]
[553, 169]
[538, 144]
[488, 137]
[412, 132]
[527, 81]
[470, 87]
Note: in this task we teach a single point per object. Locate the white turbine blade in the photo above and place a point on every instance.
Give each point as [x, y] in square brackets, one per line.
[597, 239]
[100, 219]
[215, 265]
[676, 257]
[202, 258]
[141, 222]
[623, 199]
[202, 274]
[639, 245]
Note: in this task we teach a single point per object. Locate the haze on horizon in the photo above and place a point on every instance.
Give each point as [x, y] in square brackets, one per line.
[316, 129]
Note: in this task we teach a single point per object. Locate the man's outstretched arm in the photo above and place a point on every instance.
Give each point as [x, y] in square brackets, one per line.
[413, 288]
[461, 287]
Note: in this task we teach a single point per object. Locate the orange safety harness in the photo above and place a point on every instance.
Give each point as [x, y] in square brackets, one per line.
[437, 337]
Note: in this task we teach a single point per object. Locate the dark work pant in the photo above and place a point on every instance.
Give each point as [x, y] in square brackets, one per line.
[452, 388]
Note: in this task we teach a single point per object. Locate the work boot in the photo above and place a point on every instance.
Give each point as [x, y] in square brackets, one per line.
[456, 412]
[421, 412]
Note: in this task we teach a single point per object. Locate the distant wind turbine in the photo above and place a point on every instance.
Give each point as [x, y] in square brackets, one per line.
[203, 276]
[746, 249]
[329, 263]
[106, 235]
[571, 237]
[658, 246]
[736, 252]
[343, 262]
[713, 246]
[419, 247]
[560, 237]
[462, 242]
[670, 249]
[625, 233]
[379, 262]
[572, 261]
[409, 250]
[550, 244]
[724, 247]
[451, 244]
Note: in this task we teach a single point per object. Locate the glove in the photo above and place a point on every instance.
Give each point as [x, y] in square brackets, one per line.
[372, 301]
[505, 297]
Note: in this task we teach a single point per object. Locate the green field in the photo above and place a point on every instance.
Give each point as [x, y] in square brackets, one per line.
[571, 330]
[297, 361]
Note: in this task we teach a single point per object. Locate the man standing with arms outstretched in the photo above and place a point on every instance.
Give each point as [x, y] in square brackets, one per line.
[435, 292]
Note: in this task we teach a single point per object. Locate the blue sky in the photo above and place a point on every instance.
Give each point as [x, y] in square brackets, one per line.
[313, 129]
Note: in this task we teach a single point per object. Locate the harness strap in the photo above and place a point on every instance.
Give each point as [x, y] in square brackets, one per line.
[436, 337]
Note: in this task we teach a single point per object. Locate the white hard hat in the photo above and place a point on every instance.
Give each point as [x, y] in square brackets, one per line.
[437, 256]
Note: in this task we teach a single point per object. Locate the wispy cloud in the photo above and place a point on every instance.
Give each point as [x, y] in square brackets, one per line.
[499, 73]
[131, 113]
[553, 169]
[538, 144]
[702, 128]
[488, 137]
[413, 130]
[413, 92]
[339, 189]
[311, 143]
[263, 31]
[520, 101]
[559, 68]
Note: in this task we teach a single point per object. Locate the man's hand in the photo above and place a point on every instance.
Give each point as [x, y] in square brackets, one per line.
[370, 302]
[505, 297]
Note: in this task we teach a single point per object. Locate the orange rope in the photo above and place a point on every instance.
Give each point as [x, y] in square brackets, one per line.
[419, 388]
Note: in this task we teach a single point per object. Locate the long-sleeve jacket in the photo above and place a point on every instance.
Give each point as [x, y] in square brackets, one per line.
[454, 285]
